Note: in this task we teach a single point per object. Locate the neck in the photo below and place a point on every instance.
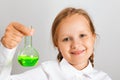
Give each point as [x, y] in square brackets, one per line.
[80, 66]
[28, 41]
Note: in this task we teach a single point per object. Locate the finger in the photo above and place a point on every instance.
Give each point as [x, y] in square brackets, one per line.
[21, 28]
[8, 42]
[10, 39]
[13, 31]
[14, 37]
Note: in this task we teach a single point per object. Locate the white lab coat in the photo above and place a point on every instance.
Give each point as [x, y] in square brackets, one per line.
[49, 70]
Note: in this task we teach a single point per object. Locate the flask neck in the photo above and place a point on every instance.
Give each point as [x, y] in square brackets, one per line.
[28, 41]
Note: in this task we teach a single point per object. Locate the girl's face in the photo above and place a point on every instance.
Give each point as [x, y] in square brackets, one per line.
[75, 40]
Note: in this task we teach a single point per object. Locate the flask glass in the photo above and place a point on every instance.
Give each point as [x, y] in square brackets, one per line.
[28, 56]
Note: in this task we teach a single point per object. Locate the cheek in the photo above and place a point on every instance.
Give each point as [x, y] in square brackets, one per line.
[63, 48]
[89, 44]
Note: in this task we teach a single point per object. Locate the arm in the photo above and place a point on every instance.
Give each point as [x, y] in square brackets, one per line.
[12, 37]
[6, 56]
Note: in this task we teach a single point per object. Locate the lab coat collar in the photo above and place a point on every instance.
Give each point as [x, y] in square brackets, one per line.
[69, 69]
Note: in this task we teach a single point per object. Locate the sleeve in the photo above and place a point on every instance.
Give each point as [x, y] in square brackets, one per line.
[6, 56]
[34, 74]
[107, 77]
[104, 76]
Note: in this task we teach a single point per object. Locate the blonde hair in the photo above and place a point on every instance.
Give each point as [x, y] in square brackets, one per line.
[62, 15]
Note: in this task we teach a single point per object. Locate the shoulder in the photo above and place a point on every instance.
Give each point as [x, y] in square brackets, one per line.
[101, 75]
[50, 63]
[47, 65]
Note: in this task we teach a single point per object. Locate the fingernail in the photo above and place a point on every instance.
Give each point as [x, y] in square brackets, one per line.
[32, 31]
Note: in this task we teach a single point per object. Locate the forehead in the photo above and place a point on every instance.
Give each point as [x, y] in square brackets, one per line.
[74, 23]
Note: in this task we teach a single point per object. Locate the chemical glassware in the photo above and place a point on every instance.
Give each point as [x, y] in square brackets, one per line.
[28, 56]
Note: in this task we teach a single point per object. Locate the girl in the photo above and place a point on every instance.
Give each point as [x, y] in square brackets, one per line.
[74, 36]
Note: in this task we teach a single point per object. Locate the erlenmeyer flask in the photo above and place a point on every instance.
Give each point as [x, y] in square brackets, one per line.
[28, 56]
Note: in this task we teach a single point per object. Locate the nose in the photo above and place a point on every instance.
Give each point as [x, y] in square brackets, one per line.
[76, 44]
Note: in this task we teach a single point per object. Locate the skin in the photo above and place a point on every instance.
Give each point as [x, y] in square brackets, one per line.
[75, 40]
[14, 34]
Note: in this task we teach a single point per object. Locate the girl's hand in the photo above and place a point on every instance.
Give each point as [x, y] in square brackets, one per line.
[14, 34]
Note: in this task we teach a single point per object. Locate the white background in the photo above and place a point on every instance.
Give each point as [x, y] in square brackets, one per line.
[41, 13]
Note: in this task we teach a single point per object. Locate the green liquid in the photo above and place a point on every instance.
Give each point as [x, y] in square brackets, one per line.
[27, 60]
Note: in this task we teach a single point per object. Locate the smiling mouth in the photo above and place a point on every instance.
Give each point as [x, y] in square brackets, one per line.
[77, 52]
